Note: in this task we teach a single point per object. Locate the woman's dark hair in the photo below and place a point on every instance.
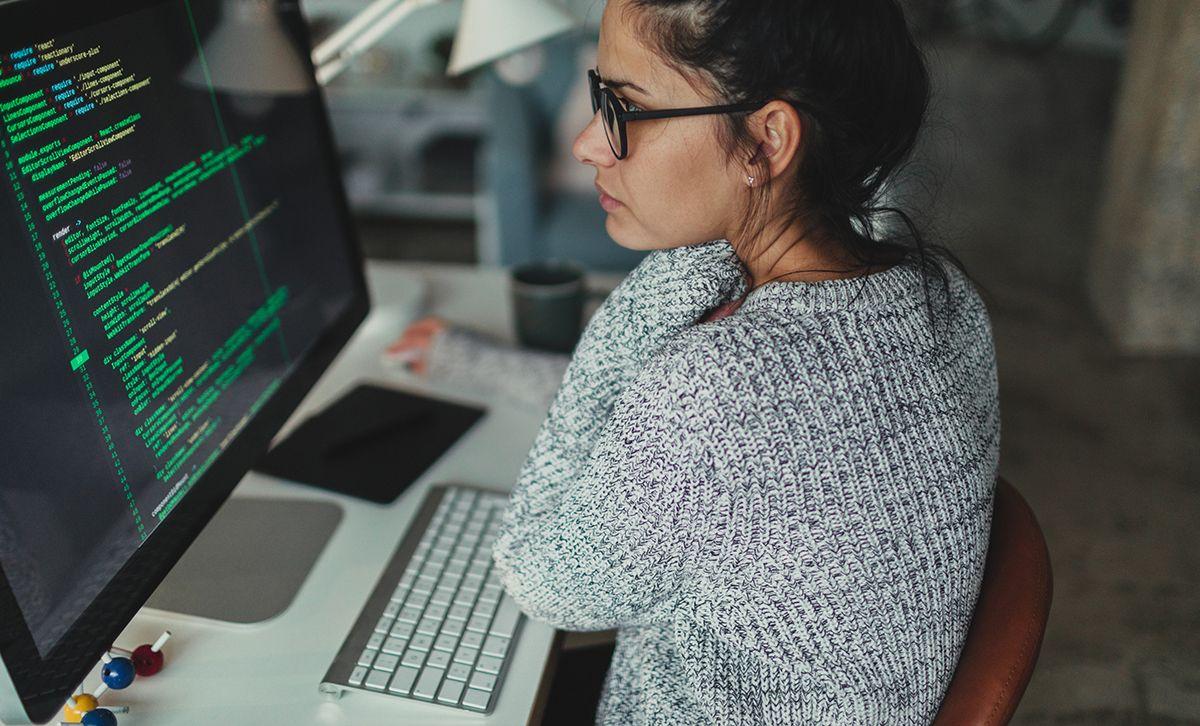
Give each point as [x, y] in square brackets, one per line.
[861, 88]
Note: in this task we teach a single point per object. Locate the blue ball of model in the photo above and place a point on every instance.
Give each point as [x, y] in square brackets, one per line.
[117, 673]
[99, 717]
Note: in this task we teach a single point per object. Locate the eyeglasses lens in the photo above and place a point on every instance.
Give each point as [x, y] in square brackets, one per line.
[606, 104]
[610, 125]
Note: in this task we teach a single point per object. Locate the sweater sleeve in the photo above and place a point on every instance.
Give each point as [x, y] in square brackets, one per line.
[609, 546]
[665, 294]
[475, 361]
[583, 541]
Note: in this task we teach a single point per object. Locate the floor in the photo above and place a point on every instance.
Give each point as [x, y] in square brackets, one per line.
[1106, 447]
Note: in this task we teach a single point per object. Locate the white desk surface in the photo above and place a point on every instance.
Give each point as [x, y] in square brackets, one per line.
[218, 673]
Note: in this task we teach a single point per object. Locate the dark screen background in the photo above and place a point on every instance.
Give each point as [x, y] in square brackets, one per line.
[104, 432]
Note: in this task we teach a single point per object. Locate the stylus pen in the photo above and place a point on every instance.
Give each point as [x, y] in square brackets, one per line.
[370, 436]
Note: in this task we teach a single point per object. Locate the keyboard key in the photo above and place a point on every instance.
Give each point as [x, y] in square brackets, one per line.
[459, 612]
[472, 639]
[478, 623]
[489, 664]
[483, 681]
[458, 671]
[476, 700]
[387, 662]
[437, 659]
[408, 614]
[392, 609]
[395, 646]
[384, 625]
[451, 692]
[436, 611]
[421, 642]
[465, 655]
[402, 630]
[377, 680]
[447, 643]
[367, 657]
[428, 683]
[443, 596]
[425, 584]
[495, 645]
[375, 640]
[507, 615]
[359, 673]
[413, 658]
[403, 680]
[453, 627]
[486, 608]
[491, 592]
[428, 626]
[417, 600]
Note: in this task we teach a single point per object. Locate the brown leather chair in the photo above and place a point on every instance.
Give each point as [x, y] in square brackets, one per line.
[1002, 645]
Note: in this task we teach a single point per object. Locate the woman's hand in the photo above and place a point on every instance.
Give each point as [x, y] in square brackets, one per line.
[412, 348]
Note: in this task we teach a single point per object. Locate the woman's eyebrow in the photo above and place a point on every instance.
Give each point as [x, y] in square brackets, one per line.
[617, 84]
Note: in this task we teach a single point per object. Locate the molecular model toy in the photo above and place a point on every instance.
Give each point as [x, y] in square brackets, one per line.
[120, 669]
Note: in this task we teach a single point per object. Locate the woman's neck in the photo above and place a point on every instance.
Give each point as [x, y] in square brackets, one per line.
[791, 256]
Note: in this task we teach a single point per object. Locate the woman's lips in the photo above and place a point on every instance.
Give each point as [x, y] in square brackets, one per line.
[608, 202]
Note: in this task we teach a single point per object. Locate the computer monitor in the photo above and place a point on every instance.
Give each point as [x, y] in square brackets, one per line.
[176, 270]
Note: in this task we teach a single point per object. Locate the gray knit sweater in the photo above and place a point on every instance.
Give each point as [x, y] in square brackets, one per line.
[784, 512]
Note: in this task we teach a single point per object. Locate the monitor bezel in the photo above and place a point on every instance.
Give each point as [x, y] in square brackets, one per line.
[43, 685]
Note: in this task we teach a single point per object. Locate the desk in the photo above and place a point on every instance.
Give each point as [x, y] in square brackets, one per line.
[267, 673]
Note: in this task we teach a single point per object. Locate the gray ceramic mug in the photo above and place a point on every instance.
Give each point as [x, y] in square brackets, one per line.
[547, 298]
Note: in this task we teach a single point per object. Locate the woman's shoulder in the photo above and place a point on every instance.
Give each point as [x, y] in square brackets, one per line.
[719, 365]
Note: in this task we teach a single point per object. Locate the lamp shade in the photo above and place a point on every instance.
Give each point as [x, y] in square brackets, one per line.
[249, 52]
[491, 29]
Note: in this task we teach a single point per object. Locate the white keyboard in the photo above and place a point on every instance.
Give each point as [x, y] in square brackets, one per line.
[438, 627]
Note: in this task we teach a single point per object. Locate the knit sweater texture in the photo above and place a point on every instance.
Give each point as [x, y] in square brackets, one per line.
[784, 512]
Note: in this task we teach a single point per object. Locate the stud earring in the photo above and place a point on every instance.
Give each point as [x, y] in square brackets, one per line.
[749, 180]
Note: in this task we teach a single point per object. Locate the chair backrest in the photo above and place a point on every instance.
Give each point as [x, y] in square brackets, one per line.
[1002, 645]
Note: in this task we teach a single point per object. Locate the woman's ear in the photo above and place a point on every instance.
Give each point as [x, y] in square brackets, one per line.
[778, 129]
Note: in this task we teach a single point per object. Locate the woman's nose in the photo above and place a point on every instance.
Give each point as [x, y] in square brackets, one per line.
[591, 145]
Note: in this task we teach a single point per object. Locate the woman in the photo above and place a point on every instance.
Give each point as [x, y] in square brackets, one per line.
[770, 461]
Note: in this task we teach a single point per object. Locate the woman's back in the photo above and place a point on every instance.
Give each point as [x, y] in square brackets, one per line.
[785, 511]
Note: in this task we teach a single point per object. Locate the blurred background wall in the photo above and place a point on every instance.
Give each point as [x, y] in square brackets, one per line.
[1061, 161]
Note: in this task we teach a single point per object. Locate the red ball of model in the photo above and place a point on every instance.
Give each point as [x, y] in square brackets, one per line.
[148, 659]
[147, 662]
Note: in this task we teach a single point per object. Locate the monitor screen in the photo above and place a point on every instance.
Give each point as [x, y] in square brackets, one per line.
[176, 269]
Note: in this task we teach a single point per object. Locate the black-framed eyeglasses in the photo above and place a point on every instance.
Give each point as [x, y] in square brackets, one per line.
[615, 115]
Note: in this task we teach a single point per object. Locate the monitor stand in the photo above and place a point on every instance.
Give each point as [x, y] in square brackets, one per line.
[250, 560]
